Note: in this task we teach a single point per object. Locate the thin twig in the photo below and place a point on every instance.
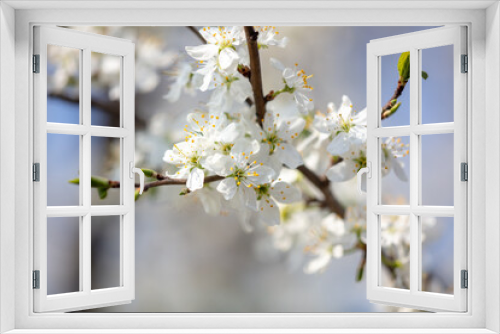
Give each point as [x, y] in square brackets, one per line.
[397, 93]
[112, 108]
[168, 181]
[256, 73]
[197, 33]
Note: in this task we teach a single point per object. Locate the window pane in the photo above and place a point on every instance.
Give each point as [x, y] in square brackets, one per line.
[105, 252]
[63, 156]
[63, 255]
[63, 84]
[106, 167]
[393, 88]
[105, 89]
[395, 170]
[437, 254]
[437, 89]
[437, 169]
[395, 251]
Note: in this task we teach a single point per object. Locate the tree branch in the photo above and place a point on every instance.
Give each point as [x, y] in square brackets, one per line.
[197, 33]
[256, 73]
[112, 107]
[323, 184]
[397, 93]
[168, 181]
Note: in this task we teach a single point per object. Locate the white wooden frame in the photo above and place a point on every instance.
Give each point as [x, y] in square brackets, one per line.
[414, 43]
[86, 43]
[483, 19]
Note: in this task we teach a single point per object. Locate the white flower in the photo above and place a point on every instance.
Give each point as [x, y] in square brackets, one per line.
[352, 161]
[268, 36]
[292, 232]
[395, 230]
[295, 84]
[392, 149]
[323, 259]
[187, 156]
[218, 54]
[182, 81]
[328, 243]
[346, 126]
[242, 172]
[229, 89]
[276, 135]
[150, 57]
[269, 194]
[355, 159]
[215, 133]
[314, 153]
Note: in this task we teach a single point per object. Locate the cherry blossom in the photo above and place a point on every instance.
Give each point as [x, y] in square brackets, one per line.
[296, 83]
[346, 126]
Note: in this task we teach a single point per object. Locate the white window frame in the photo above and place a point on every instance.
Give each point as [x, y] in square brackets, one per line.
[86, 44]
[415, 210]
[483, 21]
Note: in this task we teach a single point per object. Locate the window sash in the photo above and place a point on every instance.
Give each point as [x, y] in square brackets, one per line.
[413, 298]
[86, 297]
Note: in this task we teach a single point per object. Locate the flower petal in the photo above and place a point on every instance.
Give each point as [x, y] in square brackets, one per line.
[333, 224]
[260, 175]
[249, 197]
[291, 129]
[268, 211]
[228, 60]
[319, 264]
[277, 64]
[339, 145]
[195, 179]
[202, 52]
[210, 201]
[346, 107]
[227, 188]
[341, 172]
[219, 164]
[289, 155]
[397, 166]
[231, 133]
[284, 192]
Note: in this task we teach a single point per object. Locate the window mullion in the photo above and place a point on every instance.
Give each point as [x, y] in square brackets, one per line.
[414, 168]
[85, 236]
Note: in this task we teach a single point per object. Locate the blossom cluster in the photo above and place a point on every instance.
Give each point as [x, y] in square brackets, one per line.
[257, 160]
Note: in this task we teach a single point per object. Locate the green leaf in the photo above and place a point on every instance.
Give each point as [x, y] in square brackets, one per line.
[425, 75]
[395, 107]
[75, 181]
[149, 172]
[136, 195]
[404, 66]
[99, 182]
[103, 192]
[359, 274]
[184, 191]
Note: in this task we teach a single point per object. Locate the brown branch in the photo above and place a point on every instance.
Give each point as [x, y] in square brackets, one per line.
[197, 33]
[111, 107]
[168, 181]
[323, 184]
[397, 93]
[256, 73]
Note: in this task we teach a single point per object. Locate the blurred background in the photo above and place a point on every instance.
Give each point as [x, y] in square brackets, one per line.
[187, 261]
